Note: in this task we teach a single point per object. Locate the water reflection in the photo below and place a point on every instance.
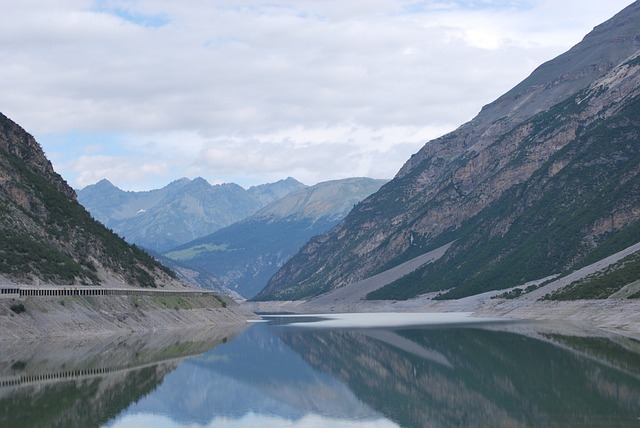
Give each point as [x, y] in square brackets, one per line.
[483, 377]
[281, 375]
[85, 383]
[253, 377]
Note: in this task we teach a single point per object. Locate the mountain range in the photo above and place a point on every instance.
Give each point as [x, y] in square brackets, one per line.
[180, 212]
[243, 256]
[543, 181]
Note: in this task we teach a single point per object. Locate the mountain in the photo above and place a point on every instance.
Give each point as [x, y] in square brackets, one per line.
[47, 236]
[543, 181]
[246, 254]
[179, 212]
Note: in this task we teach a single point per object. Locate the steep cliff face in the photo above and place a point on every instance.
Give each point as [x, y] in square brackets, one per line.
[18, 143]
[540, 181]
[46, 236]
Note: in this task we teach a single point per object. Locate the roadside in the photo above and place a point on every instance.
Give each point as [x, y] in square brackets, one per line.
[83, 316]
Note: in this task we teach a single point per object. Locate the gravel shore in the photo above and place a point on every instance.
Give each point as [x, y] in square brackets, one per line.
[617, 316]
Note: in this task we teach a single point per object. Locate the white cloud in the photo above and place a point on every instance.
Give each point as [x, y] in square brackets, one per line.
[143, 420]
[206, 79]
[131, 172]
[309, 154]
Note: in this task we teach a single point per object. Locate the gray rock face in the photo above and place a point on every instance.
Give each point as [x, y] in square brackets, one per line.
[503, 185]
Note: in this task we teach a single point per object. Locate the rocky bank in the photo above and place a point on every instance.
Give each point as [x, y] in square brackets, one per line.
[86, 316]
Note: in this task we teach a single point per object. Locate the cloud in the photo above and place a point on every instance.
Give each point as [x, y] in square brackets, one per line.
[251, 419]
[131, 172]
[256, 76]
[313, 154]
[309, 154]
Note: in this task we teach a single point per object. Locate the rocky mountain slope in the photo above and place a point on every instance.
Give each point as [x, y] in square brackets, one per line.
[180, 212]
[246, 254]
[544, 180]
[46, 236]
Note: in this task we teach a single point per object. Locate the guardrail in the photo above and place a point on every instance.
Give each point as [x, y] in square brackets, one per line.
[12, 291]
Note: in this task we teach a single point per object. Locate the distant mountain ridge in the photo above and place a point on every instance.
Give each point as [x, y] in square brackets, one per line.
[244, 255]
[180, 212]
[544, 180]
[46, 236]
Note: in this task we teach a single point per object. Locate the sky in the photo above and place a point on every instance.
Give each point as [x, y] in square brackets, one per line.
[144, 92]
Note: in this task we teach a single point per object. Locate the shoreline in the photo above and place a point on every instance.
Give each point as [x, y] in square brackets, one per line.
[94, 316]
[613, 315]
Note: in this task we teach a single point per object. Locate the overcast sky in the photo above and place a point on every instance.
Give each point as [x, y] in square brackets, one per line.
[145, 92]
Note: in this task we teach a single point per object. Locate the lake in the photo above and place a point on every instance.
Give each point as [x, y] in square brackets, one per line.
[358, 370]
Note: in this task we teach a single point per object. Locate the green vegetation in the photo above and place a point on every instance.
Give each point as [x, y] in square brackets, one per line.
[18, 366]
[183, 302]
[516, 292]
[62, 240]
[18, 308]
[21, 254]
[196, 250]
[602, 284]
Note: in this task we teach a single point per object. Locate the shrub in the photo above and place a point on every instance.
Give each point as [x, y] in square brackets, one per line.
[18, 308]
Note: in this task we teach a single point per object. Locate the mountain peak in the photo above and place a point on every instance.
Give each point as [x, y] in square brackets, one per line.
[199, 184]
[329, 199]
[105, 184]
[200, 181]
[179, 212]
[599, 51]
[15, 141]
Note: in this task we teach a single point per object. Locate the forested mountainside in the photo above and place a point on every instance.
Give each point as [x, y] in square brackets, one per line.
[180, 212]
[544, 180]
[46, 236]
[243, 256]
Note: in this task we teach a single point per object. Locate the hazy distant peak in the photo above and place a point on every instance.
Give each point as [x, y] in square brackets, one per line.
[289, 181]
[104, 183]
[200, 180]
[182, 211]
[104, 186]
[199, 183]
[333, 198]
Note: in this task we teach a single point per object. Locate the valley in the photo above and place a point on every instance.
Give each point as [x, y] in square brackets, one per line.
[532, 203]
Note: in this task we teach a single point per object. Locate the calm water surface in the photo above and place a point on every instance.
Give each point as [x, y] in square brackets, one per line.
[371, 370]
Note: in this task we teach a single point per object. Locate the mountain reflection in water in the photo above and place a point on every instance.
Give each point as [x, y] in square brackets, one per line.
[278, 374]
